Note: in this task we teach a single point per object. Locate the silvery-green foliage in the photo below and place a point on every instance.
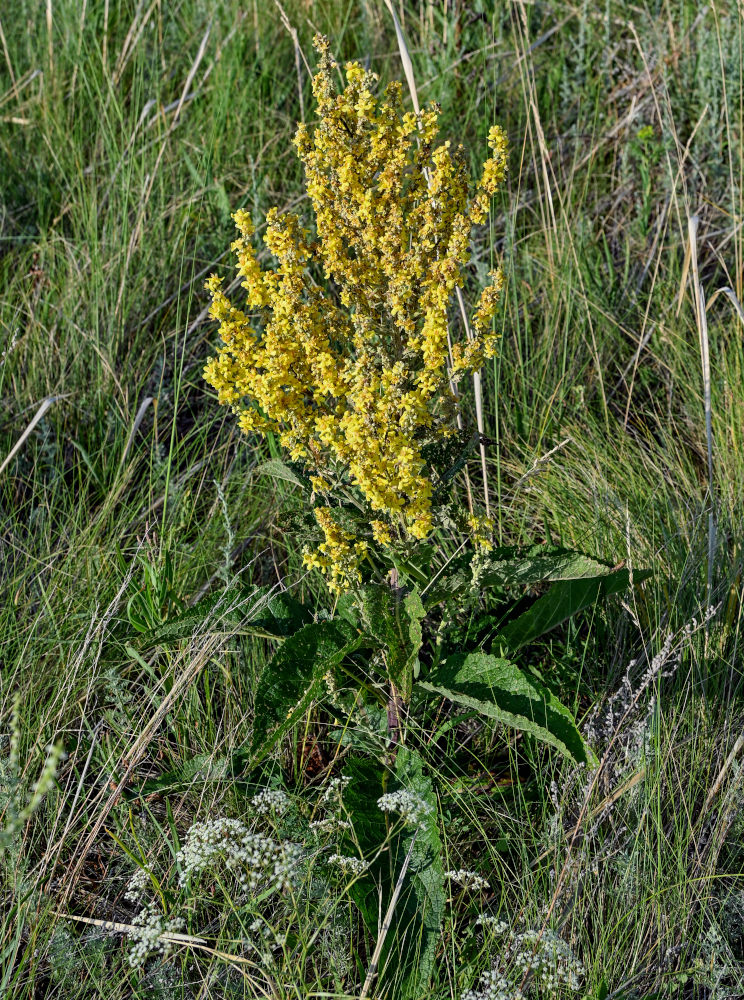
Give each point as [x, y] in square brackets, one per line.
[65, 957]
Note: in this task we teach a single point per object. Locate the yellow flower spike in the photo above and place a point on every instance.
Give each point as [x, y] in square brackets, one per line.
[353, 377]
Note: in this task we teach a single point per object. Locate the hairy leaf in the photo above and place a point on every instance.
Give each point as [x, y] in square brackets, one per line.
[293, 678]
[251, 611]
[394, 620]
[500, 690]
[277, 469]
[563, 600]
[513, 566]
[423, 900]
[407, 959]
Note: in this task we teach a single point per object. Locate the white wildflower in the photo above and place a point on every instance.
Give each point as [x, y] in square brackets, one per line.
[270, 800]
[331, 824]
[137, 885]
[493, 986]
[412, 808]
[253, 859]
[335, 790]
[468, 880]
[497, 925]
[352, 866]
[542, 955]
[147, 931]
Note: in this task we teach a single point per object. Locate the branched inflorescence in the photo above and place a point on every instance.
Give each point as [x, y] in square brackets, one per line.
[343, 350]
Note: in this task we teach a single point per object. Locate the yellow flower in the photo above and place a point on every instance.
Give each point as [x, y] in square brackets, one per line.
[353, 376]
[482, 531]
[381, 532]
[339, 556]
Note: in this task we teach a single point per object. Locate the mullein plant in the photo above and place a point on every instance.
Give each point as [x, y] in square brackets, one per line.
[342, 349]
[342, 352]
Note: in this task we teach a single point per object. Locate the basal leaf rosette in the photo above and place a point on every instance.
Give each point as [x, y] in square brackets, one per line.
[342, 347]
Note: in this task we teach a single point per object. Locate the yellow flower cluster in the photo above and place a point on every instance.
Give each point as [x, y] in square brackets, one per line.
[339, 556]
[481, 531]
[344, 350]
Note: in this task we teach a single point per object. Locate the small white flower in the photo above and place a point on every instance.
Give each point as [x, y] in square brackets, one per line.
[468, 880]
[542, 954]
[335, 789]
[253, 859]
[137, 885]
[488, 920]
[331, 824]
[270, 800]
[412, 809]
[353, 866]
[146, 933]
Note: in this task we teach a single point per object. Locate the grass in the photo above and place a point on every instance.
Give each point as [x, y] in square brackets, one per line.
[128, 132]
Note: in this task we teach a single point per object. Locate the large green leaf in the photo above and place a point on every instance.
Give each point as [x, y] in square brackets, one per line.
[541, 563]
[513, 566]
[293, 678]
[252, 611]
[204, 767]
[407, 959]
[563, 600]
[423, 901]
[500, 690]
[393, 620]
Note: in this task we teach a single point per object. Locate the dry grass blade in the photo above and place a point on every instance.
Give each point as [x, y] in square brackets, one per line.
[197, 659]
[716, 786]
[8, 63]
[405, 57]
[117, 927]
[130, 42]
[702, 325]
[185, 940]
[29, 430]
[135, 426]
[151, 182]
[372, 971]
[50, 42]
[733, 299]
[298, 53]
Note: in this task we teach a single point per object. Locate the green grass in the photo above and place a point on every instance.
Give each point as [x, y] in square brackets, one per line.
[128, 132]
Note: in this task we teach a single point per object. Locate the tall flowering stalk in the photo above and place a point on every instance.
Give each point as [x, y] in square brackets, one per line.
[342, 351]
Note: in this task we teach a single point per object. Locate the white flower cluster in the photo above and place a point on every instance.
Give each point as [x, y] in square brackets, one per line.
[331, 824]
[493, 986]
[352, 866]
[268, 934]
[334, 790]
[147, 932]
[468, 880]
[136, 885]
[413, 810]
[541, 956]
[270, 801]
[253, 859]
[497, 925]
